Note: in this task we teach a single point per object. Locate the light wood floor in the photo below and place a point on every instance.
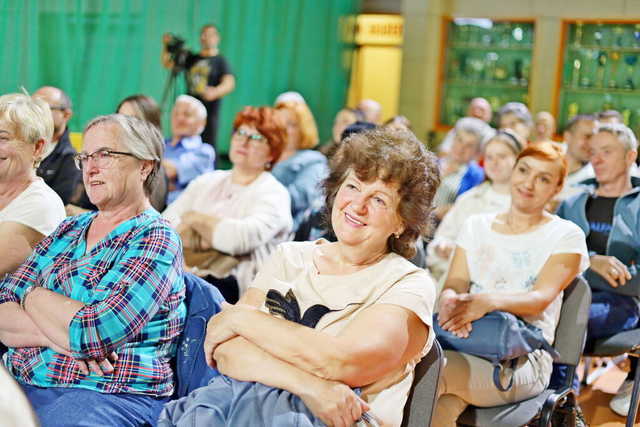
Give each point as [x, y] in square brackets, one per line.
[594, 399]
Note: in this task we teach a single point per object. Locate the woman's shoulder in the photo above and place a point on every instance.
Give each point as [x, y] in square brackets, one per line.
[561, 226]
[268, 184]
[38, 192]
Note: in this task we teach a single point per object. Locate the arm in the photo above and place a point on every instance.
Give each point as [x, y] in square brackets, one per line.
[559, 270]
[18, 242]
[137, 284]
[356, 357]
[17, 329]
[270, 214]
[194, 163]
[334, 403]
[226, 86]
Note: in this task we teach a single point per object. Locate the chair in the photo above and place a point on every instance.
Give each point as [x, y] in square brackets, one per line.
[422, 397]
[569, 342]
[623, 342]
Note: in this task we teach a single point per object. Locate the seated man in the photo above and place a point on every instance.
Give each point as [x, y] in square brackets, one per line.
[57, 169]
[186, 156]
[576, 136]
[607, 211]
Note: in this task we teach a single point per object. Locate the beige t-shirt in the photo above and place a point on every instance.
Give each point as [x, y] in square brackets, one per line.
[329, 302]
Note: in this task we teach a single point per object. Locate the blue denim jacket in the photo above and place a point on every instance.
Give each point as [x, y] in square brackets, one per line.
[624, 239]
[302, 174]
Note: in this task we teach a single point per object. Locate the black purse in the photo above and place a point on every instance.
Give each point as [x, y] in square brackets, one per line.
[497, 337]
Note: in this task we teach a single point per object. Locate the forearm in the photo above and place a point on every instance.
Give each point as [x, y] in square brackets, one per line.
[17, 329]
[52, 312]
[529, 303]
[241, 359]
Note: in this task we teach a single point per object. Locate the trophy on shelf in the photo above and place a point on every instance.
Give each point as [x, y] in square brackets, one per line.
[631, 60]
[577, 38]
[613, 74]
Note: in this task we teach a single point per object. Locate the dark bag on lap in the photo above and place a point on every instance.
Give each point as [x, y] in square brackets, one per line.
[497, 337]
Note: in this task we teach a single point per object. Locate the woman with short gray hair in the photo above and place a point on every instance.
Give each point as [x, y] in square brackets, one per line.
[93, 317]
[29, 208]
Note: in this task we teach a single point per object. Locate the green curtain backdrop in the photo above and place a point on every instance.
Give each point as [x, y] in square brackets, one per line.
[101, 51]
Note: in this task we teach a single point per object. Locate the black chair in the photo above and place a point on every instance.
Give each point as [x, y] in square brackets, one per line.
[569, 342]
[420, 405]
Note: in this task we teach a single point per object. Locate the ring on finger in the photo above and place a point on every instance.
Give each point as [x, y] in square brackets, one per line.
[613, 271]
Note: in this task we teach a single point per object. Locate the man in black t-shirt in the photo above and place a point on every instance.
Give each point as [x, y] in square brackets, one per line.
[608, 211]
[208, 77]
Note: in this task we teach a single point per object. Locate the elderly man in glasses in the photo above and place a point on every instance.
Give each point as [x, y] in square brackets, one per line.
[57, 169]
[186, 155]
[93, 317]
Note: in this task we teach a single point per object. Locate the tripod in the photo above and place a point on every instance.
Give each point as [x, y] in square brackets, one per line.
[169, 87]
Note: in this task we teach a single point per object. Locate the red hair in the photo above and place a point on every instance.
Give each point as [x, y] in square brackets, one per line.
[550, 152]
[266, 121]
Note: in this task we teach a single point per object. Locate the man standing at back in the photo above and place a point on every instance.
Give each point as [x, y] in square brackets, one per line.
[57, 169]
[208, 76]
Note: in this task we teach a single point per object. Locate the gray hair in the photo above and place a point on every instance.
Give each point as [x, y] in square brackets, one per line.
[141, 138]
[196, 103]
[621, 132]
[32, 119]
[519, 110]
[476, 127]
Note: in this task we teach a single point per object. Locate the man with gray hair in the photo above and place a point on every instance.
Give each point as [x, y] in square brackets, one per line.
[57, 169]
[608, 210]
[186, 155]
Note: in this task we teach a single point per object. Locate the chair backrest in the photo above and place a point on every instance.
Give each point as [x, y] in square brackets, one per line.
[572, 326]
[422, 397]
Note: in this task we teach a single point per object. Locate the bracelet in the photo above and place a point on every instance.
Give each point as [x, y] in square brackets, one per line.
[25, 295]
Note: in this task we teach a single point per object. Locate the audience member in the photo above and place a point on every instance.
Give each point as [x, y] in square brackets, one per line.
[371, 110]
[322, 318]
[299, 168]
[243, 212]
[460, 172]
[92, 318]
[500, 154]
[516, 116]
[57, 169]
[609, 116]
[544, 127]
[344, 118]
[208, 76]
[145, 108]
[576, 135]
[607, 211]
[519, 262]
[480, 109]
[398, 123]
[29, 208]
[186, 156]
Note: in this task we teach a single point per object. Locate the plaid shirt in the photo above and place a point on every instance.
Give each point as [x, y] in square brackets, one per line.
[132, 287]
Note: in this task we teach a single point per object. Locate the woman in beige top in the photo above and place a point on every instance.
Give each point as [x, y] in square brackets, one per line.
[322, 319]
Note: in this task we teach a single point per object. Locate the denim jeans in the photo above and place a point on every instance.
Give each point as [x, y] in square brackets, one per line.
[609, 314]
[67, 407]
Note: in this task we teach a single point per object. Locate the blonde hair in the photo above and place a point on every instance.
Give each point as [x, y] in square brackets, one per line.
[308, 128]
[31, 117]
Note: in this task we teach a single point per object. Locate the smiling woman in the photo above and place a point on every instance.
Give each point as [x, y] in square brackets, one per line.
[322, 318]
[29, 209]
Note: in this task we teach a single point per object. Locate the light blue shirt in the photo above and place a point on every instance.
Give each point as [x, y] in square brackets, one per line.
[192, 158]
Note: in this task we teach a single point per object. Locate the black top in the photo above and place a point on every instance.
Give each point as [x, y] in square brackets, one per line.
[600, 218]
[58, 169]
[202, 71]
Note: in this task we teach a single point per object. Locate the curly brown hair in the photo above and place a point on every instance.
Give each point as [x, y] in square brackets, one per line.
[267, 122]
[391, 156]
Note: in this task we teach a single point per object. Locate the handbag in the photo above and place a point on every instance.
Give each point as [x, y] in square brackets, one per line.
[497, 337]
[210, 262]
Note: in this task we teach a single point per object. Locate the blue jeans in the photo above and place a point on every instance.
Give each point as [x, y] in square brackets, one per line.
[229, 402]
[609, 314]
[66, 407]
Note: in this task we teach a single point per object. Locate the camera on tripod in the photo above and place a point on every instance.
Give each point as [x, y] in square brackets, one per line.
[177, 51]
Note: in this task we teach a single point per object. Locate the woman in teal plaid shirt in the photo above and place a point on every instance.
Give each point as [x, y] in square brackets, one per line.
[92, 318]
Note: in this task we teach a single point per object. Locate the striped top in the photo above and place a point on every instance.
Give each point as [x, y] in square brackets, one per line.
[132, 287]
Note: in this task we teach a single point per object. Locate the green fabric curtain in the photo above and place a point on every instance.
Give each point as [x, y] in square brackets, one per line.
[100, 51]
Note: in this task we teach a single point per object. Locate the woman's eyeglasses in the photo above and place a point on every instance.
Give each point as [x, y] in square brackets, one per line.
[102, 158]
[252, 137]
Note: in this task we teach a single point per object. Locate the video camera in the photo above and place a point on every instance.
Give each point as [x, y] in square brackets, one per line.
[177, 51]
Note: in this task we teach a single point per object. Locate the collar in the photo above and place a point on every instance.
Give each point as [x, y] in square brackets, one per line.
[188, 142]
[591, 185]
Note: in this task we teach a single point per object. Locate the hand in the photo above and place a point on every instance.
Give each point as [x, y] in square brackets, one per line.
[220, 328]
[190, 238]
[334, 403]
[210, 93]
[170, 170]
[468, 307]
[166, 38]
[98, 367]
[611, 269]
[444, 249]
